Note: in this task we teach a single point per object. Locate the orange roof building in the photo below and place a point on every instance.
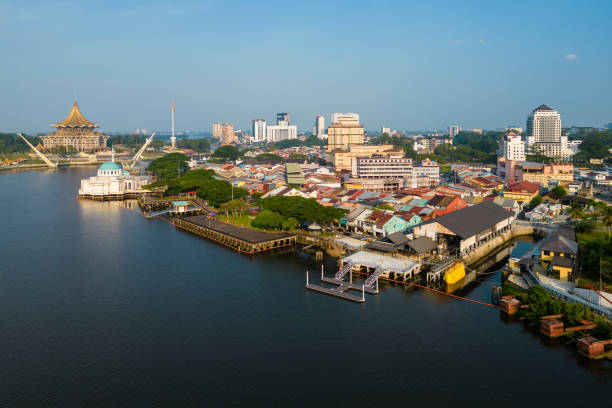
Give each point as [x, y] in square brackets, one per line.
[75, 131]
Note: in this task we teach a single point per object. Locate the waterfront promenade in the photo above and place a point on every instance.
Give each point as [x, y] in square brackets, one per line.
[245, 240]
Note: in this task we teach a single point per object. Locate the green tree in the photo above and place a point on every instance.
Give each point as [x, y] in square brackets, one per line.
[607, 217]
[535, 201]
[169, 166]
[235, 206]
[268, 158]
[199, 145]
[302, 209]
[227, 152]
[561, 192]
[268, 220]
[575, 211]
[290, 224]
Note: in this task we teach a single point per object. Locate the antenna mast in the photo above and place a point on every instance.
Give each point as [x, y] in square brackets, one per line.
[172, 138]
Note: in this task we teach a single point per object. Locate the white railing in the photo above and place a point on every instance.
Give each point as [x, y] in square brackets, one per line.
[342, 272]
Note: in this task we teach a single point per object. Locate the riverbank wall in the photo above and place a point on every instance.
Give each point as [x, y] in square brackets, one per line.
[36, 166]
[487, 248]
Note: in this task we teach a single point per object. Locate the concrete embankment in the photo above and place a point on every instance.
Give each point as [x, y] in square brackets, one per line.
[35, 166]
[496, 242]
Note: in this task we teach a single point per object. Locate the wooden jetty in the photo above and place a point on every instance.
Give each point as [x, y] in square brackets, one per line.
[341, 288]
[244, 240]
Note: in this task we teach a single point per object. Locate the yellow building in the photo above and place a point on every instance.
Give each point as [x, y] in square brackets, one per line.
[523, 191]
[342, 159]
[543, 173]
[217, 130]
[558, 253]
[227, 134]
[344, 131]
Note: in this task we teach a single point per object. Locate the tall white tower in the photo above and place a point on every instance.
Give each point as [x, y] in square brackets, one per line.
[172, 138]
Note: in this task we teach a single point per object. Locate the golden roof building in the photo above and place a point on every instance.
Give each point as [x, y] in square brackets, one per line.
[75, 131]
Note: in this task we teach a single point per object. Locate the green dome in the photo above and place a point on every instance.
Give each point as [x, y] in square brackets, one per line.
[110, 166]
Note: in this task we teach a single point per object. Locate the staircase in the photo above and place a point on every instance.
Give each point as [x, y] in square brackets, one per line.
[371, 281]
[342, 272]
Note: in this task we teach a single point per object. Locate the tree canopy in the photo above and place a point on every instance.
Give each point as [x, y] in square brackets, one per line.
[560, 190]
[302, 209]
[268, 220]
[169, 165]
[12, 143]
[204, 184]
[199, 145]
[228, 152]
[269, 158]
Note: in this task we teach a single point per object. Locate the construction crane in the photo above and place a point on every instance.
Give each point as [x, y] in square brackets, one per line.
[42, 156]
[139, 153]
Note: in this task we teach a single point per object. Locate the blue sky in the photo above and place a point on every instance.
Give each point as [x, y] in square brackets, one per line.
[404, 64]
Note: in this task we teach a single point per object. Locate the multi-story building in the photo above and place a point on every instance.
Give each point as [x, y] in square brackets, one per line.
[511, 147]
[522, 192]
[319, 127]
[342, 159]
[259, 130]
[217, 130]
[282, 119]
[428, 172]
[544, 133]
[344, 131]
[280, 132]
[514, 128]
[385, 131]
[75, 131]
[227, 134]
[381, 166]
[336, 116]
[454, 130]
[544, 173]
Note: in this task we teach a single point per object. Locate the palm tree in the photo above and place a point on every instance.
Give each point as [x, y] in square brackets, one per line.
[575, 211]
[607, 217]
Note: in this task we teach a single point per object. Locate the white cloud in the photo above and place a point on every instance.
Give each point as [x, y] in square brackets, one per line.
[571, 57]
[482, 42]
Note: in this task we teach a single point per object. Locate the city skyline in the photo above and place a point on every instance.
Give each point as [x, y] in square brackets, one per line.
[408, 67]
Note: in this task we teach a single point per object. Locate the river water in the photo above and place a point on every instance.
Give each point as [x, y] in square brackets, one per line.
[101, 307]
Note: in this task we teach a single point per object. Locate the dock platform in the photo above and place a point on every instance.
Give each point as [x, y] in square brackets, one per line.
[241, 239]
[339, 291]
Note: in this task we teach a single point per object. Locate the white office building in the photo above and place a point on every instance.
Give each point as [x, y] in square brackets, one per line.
[336, 117]
[277, 133]
[319, 127]
[381, 167]
[259, 130]
[511, 147]
[454, 130]
[544, 133]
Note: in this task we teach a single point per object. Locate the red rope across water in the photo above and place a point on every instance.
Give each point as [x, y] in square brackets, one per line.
[435, 290]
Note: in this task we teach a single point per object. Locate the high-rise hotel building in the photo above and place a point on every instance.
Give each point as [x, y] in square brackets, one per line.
[454, 130]
[544, 133]
[319, 127]
[227, 134]
[344, 131]
[259, 130]
[217, 130]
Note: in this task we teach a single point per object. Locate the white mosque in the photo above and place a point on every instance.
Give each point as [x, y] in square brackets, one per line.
[113, 183]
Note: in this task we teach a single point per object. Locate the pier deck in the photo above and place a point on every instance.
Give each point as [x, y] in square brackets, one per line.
[238, 238]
